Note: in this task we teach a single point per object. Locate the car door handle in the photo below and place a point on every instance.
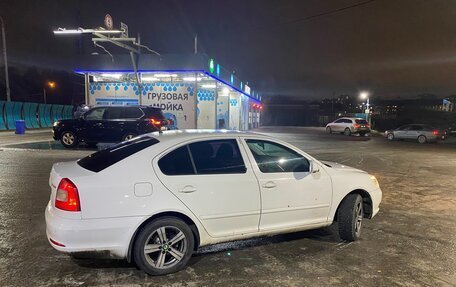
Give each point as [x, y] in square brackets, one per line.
[187, 189]
[269, 184]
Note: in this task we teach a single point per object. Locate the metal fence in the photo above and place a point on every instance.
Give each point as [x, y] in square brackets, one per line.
[35, 115]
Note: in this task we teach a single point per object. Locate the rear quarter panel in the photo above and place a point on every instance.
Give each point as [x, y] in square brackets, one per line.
[111, 192]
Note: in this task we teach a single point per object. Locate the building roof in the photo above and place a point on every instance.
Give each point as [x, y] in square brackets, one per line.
[190, 63]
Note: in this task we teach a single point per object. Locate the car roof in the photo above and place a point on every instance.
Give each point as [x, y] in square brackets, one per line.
[349, 118]
[188, 134]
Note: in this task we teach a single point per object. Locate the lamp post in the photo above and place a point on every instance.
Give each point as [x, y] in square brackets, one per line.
[5, 59]
[364, 95]
[49, 84]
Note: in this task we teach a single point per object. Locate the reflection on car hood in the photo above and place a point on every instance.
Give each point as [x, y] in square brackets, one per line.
[341, 167]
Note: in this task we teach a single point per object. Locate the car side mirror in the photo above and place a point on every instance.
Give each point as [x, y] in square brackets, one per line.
[314, 167]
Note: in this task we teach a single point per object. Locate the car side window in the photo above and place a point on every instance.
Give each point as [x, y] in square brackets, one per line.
[348, 121]
[95, 114]
[113, 113]
[339, 121]
[273, 157]
[177, 162]
[217, 157]
[132, 113]
[416, 128]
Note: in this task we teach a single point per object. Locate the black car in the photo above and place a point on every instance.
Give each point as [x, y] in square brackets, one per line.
[109, 124]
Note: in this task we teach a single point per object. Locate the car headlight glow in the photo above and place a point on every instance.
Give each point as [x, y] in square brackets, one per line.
[56, 123]
[375, 181]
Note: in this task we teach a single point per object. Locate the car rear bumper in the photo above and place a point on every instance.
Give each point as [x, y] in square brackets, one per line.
[109, 235]
[362, 130]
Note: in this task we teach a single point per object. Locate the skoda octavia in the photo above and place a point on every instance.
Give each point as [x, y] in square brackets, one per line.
[157, 198]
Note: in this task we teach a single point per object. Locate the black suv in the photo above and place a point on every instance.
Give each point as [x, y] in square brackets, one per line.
[109, 124]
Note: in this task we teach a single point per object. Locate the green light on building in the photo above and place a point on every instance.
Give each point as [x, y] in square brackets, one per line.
[211, 66]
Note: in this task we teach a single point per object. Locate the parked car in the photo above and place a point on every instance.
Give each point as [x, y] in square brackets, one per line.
[418, 132]
[109, 124]
[450, 130]
[159, 197]
[349, 126]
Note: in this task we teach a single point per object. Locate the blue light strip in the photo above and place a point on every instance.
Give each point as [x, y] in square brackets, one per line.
[139, 71]
[170, 71]
[233, 87]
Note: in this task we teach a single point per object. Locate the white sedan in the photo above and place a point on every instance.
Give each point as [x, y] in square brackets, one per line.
[157, 198]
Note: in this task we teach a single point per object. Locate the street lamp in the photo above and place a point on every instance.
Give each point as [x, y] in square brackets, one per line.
[50, 85]
[5, 59]
[364, 95]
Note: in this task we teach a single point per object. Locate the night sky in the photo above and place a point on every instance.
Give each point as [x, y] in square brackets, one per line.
[391, 47]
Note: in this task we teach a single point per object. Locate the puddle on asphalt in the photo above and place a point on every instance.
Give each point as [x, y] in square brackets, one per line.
[47, 145]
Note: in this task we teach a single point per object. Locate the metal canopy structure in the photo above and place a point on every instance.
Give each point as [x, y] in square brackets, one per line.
[102, 35]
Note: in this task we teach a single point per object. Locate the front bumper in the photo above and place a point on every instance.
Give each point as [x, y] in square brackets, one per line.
[376, 197]
[108, 235]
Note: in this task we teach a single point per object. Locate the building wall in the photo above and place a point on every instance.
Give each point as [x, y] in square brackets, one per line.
[206, 109]
[223, 112]
[178, 102]
[234, 111]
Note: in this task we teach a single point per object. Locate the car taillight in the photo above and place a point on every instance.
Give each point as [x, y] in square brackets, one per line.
[436, 132]
[356, 126]
[367, 125]
[155, 122]
[67, 196]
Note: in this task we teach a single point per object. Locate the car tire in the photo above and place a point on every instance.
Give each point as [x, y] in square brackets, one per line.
[129, 136]
[328, 130]
[350, 217]
[347, 132]
[69, 139]
[167, 257]
[92, 144]
[422, 139]
[390, 136]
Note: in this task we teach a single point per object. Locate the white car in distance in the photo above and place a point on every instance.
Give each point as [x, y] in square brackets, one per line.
[349, 126]
[157, 198]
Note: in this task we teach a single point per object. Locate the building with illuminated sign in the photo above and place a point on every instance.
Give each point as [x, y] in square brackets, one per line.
[192, 90]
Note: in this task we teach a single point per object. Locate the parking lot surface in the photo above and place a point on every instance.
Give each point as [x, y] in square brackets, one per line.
[411, 242]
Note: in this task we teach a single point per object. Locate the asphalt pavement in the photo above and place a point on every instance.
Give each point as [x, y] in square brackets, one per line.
[411, 242]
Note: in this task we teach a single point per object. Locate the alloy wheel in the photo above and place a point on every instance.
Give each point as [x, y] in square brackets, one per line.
[68, 138]
[165, 247]
[129, 137]
[359, 217]
[422, 139]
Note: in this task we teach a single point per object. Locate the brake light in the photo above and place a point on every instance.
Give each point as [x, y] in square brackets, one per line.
[356, 126]
[67, 196]
[367, 125]
[155, 122]
[436, 132]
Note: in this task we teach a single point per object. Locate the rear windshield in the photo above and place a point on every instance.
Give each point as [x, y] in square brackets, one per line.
[105, 158]
[361, 122]
[154, 113]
